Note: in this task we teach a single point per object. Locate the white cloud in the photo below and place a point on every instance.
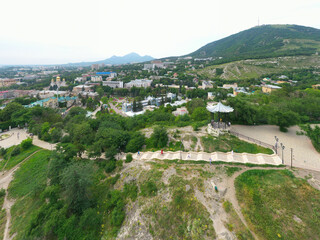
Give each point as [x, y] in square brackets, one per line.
[38, 31]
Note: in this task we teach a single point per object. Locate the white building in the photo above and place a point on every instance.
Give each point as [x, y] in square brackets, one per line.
[113, 84]
[138, 83]
[96, 78]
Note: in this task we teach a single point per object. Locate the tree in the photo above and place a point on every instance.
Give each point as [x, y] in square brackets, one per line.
[136, 142]
[140, 107]
[159, 137]
[27, 143]
[76, 181]
[284, 119]
[195, 103]
[200, 114]
[134, 106]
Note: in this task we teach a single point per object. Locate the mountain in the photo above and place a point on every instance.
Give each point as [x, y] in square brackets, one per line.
[264, 42]
[117, 60]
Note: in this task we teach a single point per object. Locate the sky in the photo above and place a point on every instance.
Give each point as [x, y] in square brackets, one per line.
[63, 31]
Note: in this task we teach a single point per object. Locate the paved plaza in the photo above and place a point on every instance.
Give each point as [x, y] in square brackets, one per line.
[304, 154]
[215, 156]
[18, 135]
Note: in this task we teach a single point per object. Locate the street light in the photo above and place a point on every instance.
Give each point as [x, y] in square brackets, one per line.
[276, 146]
[282, 147]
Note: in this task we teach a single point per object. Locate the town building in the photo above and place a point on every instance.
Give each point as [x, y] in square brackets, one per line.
[228, 86]
[180, 111]
[95, 67]
[206, 84]
[6, 82]
[110, 74]
[96, 78]
[58, 82]
[53, 102]
[82, 88]
[270, 88]
[113, 84]
[138, 83]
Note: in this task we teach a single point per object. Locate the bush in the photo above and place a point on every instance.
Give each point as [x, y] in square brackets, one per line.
[16, 151]
[2, 192]
[3, 151]
[136, 142]
[159, 137]
[27, 143]
[110, 165]
[128, 158]
[149, 189]
[131, 190]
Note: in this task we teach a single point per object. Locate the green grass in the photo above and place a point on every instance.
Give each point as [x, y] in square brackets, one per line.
[12, 161]
[3, 220]
[227, 143]
[31, 176]
[272, 199]
[29, 180]
[231, 170]
[235, 224]
[3, 215]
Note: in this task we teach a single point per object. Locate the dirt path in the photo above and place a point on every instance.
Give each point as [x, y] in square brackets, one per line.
[5, 179]
[231, 194]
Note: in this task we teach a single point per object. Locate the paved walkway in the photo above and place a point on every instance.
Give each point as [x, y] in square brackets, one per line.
[304, 154]
[215, 156]
[22, 133]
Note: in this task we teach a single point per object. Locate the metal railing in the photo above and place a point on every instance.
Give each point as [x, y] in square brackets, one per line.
[263, 144]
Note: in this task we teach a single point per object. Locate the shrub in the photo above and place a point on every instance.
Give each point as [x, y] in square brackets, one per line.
[159, 137]
[16, 151]
[3, 151]
[131, 190]
[2, 192]
[110, 165]
[27, 143]
[128, 158]
[149, 189]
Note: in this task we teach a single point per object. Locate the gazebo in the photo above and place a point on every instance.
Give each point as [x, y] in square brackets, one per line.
[219, 108]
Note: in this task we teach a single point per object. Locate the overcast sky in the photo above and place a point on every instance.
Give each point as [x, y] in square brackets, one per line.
[62, 31]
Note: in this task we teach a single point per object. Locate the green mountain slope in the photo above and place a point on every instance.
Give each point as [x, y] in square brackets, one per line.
[254, 68]
[264, 42]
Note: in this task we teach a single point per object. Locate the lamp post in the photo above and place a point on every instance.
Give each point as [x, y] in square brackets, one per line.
[276, 146]
[282, 147]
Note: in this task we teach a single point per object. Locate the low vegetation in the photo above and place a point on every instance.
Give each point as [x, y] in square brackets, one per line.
[235, 224]
[278, 205]
[228, 143]
[15, 154]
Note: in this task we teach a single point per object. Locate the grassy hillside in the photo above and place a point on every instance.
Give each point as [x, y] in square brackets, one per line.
[254, 68]
[263, 42]
[277, 205]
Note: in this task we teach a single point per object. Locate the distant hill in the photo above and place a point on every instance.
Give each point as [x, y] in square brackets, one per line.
[117, 60]
[264, 42]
